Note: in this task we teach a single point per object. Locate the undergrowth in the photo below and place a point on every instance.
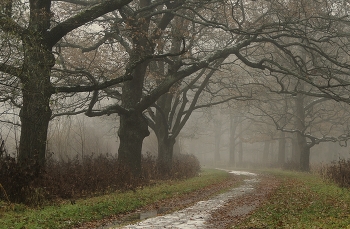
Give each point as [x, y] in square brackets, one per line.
[337, 171]
[73, 179]
[67, 215]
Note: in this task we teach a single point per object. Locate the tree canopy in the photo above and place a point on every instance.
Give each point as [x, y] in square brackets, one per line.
[70, 56]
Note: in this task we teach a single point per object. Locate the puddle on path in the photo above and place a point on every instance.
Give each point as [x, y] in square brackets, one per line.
[243, 173]
[148, 214]
[136, 217]
[154, 213]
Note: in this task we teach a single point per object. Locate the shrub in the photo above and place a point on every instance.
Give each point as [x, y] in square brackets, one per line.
[185, 166]
[18, 179]
[81, 178]
[338, 172]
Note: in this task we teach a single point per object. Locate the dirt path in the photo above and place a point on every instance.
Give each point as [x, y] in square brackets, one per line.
[238, 208]
[201, 209]
[197, 215]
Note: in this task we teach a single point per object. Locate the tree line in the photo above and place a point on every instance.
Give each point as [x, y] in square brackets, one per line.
[151, 61]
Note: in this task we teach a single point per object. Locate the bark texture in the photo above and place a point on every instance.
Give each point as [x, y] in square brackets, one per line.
[132, 131]
[36, 86]
[133, 126]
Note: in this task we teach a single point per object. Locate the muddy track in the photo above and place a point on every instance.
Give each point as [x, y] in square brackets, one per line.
[172, 204]
[237, 209]
[244, 194]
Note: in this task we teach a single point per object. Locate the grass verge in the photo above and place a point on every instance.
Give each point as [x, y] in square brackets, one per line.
[67, 215]
[302, 201]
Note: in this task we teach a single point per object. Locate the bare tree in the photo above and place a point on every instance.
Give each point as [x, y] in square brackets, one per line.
[28, 58]
[251, 35]
[258, 33]
[313, 120]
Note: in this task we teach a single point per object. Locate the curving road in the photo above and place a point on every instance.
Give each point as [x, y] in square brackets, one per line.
[198, 215]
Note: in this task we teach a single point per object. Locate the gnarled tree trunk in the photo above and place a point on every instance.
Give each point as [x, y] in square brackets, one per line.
[36, 86]
[132, 131]
[133, 126]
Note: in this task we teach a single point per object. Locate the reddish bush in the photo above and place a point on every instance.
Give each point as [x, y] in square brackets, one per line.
[185, 166]
[81, 178]
[17, 179]
[338, 172]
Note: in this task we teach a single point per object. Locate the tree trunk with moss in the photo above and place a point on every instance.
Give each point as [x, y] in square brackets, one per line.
[35, 112]
[36, 86]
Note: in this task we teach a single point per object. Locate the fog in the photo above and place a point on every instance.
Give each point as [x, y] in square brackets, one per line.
[202, 145]
[205, 136]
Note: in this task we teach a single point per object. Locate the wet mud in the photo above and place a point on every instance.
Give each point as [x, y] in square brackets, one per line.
[200, 209]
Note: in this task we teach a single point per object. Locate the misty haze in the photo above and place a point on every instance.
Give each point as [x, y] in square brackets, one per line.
[174, 114]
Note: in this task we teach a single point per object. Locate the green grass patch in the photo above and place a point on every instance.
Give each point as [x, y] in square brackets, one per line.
[302, 201]
[67, 215]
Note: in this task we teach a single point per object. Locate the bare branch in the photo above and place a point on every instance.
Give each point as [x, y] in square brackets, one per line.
[56, 33]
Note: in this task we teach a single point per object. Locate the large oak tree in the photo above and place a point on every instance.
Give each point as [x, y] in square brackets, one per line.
[146, 30]
[30, 33]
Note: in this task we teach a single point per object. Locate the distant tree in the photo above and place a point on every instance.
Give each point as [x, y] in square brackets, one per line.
[170, 113]
[258, 33]
[312, 120]
[234, 120]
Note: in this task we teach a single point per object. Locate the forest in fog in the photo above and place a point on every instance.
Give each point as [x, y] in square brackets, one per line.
[231, 82]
